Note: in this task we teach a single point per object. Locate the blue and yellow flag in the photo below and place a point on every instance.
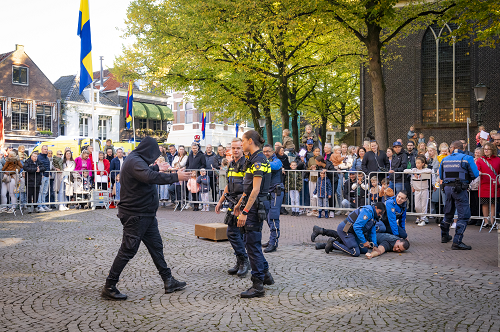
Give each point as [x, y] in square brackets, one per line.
[86, 73]
[130, 101]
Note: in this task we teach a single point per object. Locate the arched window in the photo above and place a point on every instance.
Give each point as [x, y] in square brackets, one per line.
[446, 69]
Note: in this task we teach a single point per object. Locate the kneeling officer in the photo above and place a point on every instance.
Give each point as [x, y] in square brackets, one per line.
[354, 233]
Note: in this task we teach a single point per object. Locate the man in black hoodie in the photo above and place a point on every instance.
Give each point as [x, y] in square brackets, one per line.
[137, 212]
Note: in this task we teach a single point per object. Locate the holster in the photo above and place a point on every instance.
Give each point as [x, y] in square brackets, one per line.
[347, 227]
[277, 190]
[230, 219]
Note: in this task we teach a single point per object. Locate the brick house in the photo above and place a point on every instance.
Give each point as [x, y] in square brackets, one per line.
[435, 93]
[29, 102]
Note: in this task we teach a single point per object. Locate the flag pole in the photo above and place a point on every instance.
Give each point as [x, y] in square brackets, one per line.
[94, 127]
[133, 123]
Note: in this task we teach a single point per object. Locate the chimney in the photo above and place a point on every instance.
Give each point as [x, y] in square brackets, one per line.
[19, 47]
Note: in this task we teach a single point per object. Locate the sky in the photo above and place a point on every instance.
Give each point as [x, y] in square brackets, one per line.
[47, 29]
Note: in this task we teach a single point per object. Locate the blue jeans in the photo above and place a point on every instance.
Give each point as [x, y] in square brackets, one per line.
[397, 187]
[460, 202]
[44, 189]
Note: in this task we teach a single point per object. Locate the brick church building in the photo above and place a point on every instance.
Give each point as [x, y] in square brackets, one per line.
[430, 85]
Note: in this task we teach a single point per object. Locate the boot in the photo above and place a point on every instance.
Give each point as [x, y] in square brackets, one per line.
[329, 245]
[270, 248]
[316, 231]
[268, 278]
[446, 238]
[172, 285]
[460, 246]
[235, 268]
[319, 214]
[244, 266]
[257, 289]
[112, 293]
[265, 245]
[320, 246]
[327, 214]
[283, 211]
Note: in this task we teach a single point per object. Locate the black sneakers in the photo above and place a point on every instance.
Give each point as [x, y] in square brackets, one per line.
[172, 285]
[460, 246]
[446, 238]
[112, 293]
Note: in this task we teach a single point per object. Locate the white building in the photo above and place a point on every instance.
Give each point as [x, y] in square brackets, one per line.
[77, 111]
[187, 124]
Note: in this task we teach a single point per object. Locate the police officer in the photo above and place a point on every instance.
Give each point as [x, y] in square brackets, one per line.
[394, 220]
[234, 190]
[274, 205]
[456, 172]
[353, 234]
[251, 211]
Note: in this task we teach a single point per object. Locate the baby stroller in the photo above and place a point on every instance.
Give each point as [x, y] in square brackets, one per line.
[81, 191]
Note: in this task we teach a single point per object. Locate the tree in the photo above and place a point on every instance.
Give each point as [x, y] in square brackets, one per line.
[376, 24]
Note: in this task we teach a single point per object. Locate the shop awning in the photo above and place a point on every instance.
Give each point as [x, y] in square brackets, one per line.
[139, 110]
[166, 113]
[153, 111]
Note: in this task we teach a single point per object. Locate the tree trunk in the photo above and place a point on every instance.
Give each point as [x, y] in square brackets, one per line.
[295, 130]
[254, 106]
[269, 123]
[378, 87]
[283, 91]
[324, 121]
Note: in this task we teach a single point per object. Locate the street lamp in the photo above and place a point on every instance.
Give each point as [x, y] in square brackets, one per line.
[480, 91]
[262, 122]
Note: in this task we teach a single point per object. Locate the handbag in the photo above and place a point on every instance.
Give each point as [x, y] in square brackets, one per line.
[380, 169]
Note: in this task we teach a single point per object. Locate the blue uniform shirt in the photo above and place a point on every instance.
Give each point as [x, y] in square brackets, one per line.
[392, 210]
[276, 166]
[365, 222]
[458, 166]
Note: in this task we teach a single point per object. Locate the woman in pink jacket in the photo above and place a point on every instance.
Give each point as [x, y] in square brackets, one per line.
[489, 168]
[83, 163]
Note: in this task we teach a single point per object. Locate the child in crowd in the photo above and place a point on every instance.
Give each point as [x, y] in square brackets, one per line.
[478, 136]
[288, 141]
[420, 182]
[432, 140]
[324, 192]
[175, 189]
[163, 188]
[309, 134]
[193, 188]
[23, 198]
[354, 192]
[204, 182]
[116, 189]
[294, 186]
[411, 133]
[313, 178]
[223, 180]
[385, 191]
[421, 138]
[374, 190]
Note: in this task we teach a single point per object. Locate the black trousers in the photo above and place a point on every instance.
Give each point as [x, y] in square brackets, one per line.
[135, 230]
[33, 194]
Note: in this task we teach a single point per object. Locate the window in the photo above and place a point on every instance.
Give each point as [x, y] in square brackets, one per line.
[156, 124]
[84, 126]
[189, 116]
[20, 116]
[446, 88]
[43, 117]
[189, 106]
[101, 128]
[143, 123]
[20, 75]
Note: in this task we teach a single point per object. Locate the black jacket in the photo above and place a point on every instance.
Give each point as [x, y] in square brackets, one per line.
[369, 163]
[33, 178]
[399, 162]
[411, 158]
[138, 192]
[196, 162]
[218, 160]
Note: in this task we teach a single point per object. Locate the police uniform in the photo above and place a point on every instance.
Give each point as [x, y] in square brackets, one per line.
[457, 171]
[235, 175]
[394, 220]
[257, 165]
[274, 204]
[363, 229]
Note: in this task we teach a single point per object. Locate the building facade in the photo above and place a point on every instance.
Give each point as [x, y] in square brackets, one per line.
[77, 111]
[431, 84]
[187, 122]
[29, 102]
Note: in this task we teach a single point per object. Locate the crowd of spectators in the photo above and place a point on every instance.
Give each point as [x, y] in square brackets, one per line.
[314, 175]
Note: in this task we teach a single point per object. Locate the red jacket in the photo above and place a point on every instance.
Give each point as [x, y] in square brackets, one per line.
[487, 181]
[106, 167]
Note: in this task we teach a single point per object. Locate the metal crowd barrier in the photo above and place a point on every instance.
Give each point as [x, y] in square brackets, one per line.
[63, 190]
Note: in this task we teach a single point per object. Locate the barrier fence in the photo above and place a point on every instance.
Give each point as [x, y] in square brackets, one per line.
[349, 190]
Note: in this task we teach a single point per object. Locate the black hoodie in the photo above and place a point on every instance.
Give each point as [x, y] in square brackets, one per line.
[138, 193]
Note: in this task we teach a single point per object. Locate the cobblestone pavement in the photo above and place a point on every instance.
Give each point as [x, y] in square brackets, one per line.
[51, 275]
